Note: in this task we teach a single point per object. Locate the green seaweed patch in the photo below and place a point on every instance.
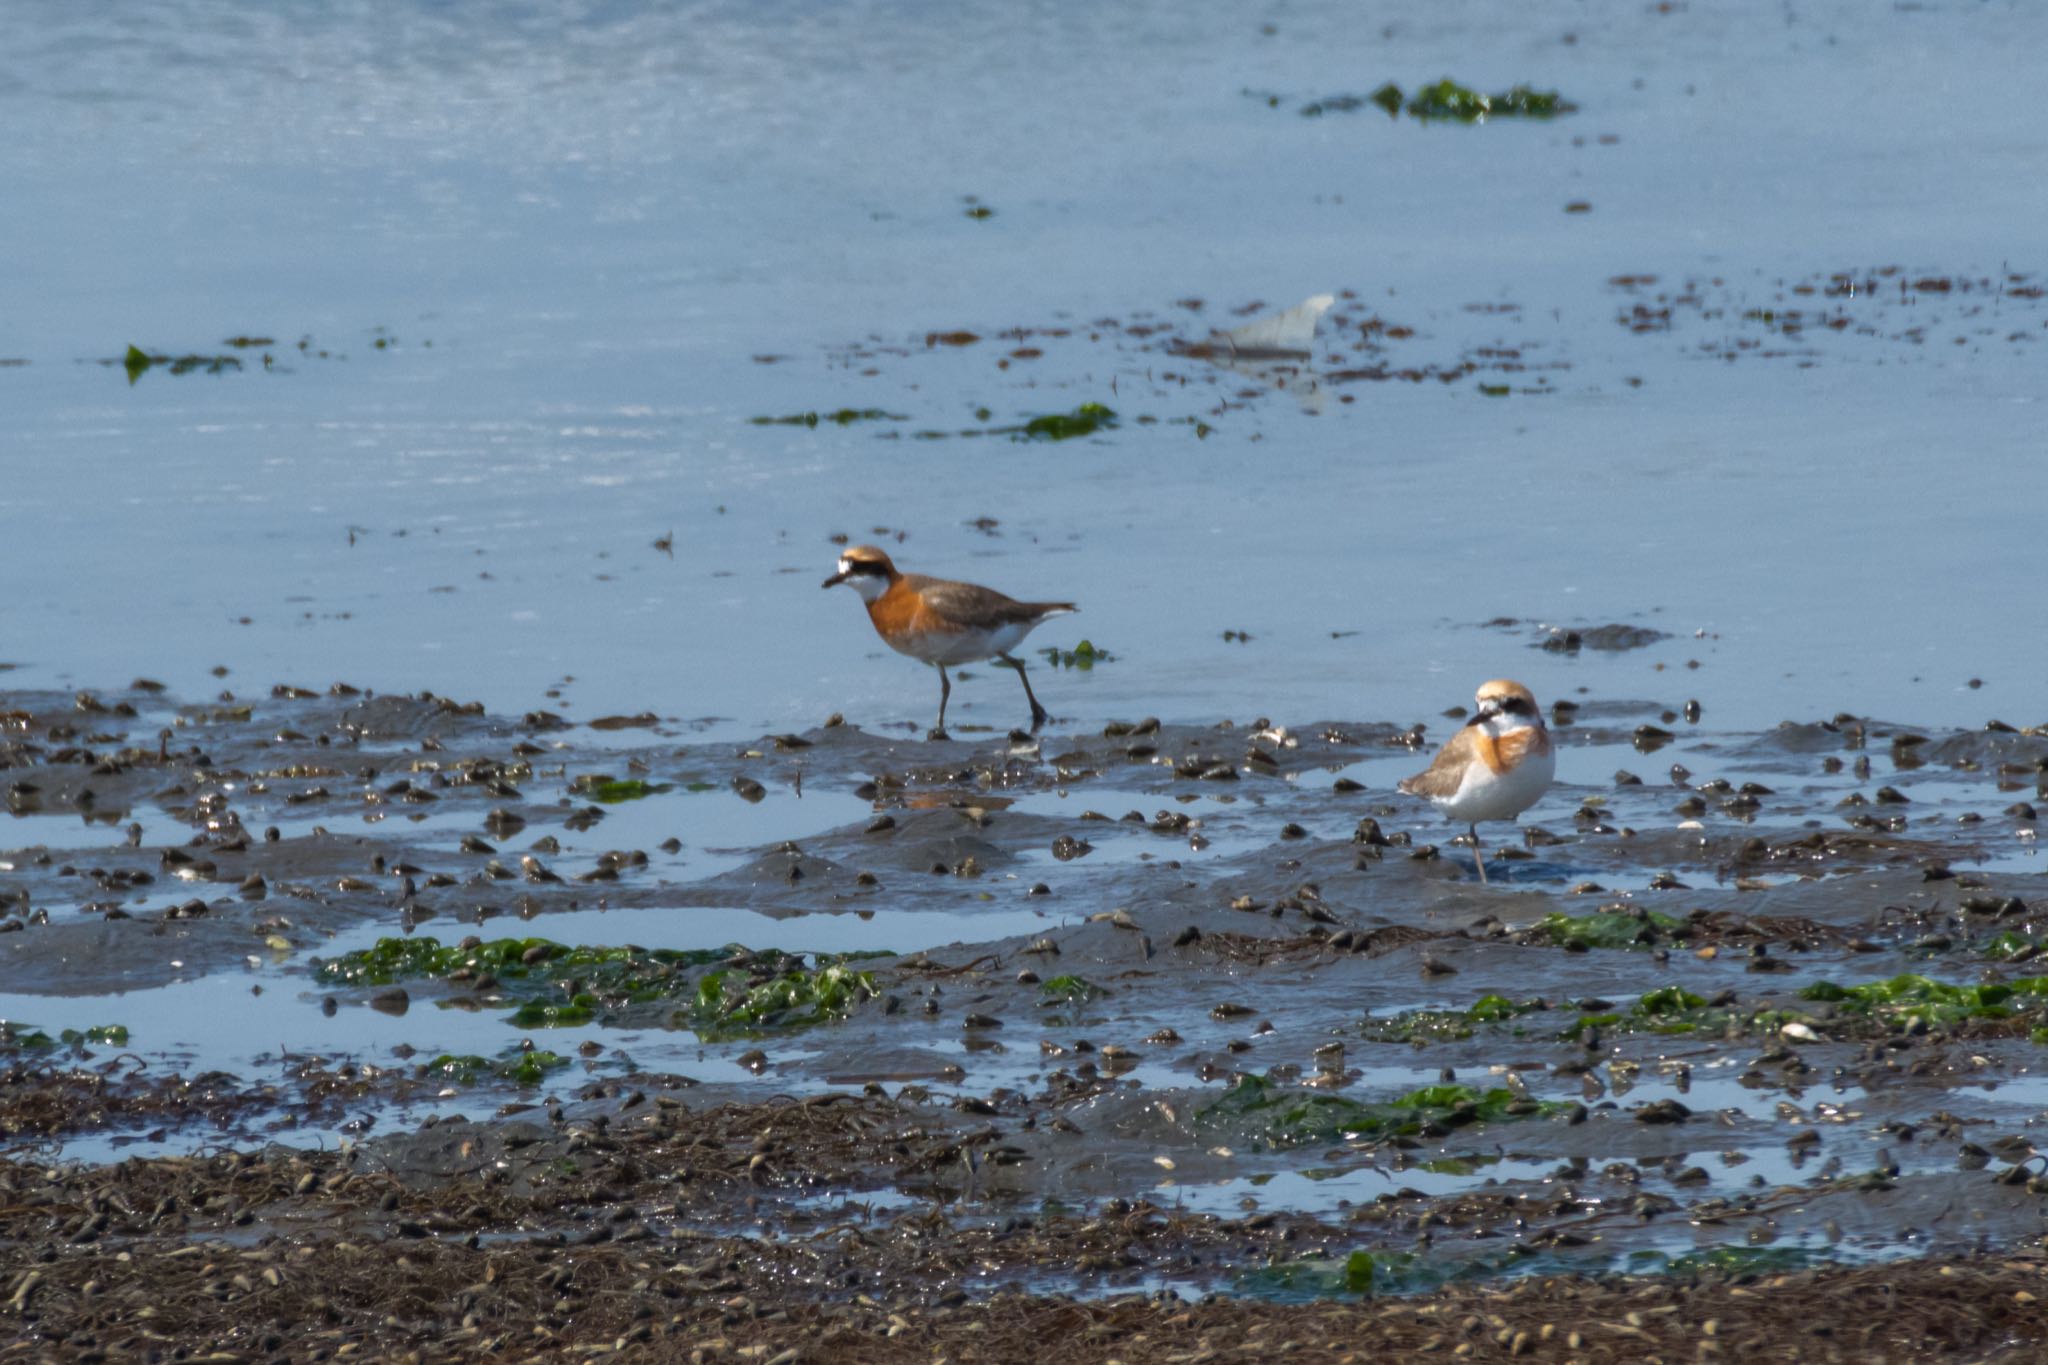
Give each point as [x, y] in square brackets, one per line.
[1428, 1026]
[1083, 656]
[2010, 946]
[138, 362]
[1907, 998]
[533, 973]
[1326, 1277]
[1603, 929]
[729, 1006]
[611, 792]
[1071, 989]
[577, 1010]
[1457, 103]
[101, 1035]
[19, 1037]
[841, 417]
[1085, 420]
[1279, 1118]
[520, 1066]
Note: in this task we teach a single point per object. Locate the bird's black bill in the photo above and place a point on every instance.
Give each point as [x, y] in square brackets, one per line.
[835, 580]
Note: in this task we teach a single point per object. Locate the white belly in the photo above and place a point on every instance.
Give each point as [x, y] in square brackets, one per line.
[1486, 795]
[963, 646]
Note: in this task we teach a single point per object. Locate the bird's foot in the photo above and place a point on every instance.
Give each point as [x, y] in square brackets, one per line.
[936, 733]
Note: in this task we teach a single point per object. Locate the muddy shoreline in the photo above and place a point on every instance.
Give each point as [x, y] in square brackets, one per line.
[520, 1037]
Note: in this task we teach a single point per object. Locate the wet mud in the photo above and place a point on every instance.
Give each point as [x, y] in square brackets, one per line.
[578, 1035]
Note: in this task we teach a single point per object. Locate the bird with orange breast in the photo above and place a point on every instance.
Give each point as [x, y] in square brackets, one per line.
[943, 622]
[1497, 766]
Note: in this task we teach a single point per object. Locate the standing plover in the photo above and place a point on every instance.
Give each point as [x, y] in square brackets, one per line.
[943, 622]
[1494, 768]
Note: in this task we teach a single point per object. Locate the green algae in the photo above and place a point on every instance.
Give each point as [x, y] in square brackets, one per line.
[1446, 100]
[511, 960]
[1667, 1010]
[1085, 420]
[16, 1036]
[1603, 929]
[138, 362]
[547, 984]
[1909, 998]
[1071, 989]
[611, 792]
[1083, 656]
[1267, 1114]
[521, 1066]
[728, 1006]
[1423, 1026]
[1450, 101]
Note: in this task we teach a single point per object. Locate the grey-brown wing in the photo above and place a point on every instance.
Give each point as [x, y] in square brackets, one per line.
[982, 606]
[1443, 777]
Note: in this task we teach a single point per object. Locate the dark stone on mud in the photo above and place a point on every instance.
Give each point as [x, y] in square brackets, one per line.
[1662, 1111]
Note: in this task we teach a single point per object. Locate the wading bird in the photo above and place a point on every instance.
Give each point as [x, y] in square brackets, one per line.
[1494, 768]
[943, 622]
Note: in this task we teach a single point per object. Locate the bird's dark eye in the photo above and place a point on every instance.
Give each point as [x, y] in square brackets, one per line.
[1515, 706]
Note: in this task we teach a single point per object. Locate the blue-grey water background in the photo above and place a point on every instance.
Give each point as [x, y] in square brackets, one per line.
[575, 226]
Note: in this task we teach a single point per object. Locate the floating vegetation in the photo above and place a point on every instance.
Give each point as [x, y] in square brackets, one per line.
[1292, 1118]
[728, 1006]
[1071, 989]
[392, 960]
[138, 362]
[1444, 100]
[19, 1037]
[1449, 100]
[1602, 929]
[1910, 999]
[611, 792]
[1423, 1026]
[843, 417]
[1065, 426]
[521, 1066]
[1083, 656]
[549, 985]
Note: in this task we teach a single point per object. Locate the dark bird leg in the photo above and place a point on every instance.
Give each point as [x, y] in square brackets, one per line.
[1039, 714]
[1478, 859]
[945, 691]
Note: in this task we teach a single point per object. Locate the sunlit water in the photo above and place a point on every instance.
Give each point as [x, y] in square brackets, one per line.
[575, 228]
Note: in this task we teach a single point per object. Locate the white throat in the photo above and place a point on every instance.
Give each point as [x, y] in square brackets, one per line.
[1504, 724]
[869, 586]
